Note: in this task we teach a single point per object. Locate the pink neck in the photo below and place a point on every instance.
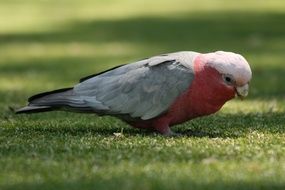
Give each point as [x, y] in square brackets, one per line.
[208, 85]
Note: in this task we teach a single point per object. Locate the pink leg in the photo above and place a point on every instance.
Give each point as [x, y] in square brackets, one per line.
[163, 128]
[159, 125]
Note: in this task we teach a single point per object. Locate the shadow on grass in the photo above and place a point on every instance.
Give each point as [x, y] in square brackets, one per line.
[239, 31]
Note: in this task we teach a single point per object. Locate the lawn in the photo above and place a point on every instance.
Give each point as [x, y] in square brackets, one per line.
[45, 45]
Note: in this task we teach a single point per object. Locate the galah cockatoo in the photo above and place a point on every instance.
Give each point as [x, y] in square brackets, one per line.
[157, 92]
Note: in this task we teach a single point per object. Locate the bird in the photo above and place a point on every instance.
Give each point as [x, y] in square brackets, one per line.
[155, 93]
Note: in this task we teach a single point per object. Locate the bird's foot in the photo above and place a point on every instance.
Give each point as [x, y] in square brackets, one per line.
[166, 131]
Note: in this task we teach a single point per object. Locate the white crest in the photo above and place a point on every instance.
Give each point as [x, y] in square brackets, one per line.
[231, 64]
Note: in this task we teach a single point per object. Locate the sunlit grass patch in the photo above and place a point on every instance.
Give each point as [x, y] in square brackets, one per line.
[23, 52]
[254, 106]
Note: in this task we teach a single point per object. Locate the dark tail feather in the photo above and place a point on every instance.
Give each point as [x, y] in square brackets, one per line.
[50, 93]
[49, 101]
[34, 109]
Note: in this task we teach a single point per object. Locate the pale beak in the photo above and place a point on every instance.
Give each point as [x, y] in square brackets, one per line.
[242, 91]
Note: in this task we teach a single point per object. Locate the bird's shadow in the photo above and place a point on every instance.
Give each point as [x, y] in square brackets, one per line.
[216, 126]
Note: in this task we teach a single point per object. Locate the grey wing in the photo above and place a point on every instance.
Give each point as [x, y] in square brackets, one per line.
[144, 89]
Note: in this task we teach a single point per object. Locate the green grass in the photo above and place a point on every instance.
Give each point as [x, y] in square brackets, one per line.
[46, 45]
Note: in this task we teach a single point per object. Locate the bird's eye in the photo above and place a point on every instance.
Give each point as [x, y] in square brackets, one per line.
[228, 79]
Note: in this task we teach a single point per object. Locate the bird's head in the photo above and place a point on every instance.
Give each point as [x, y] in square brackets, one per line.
[233, 70]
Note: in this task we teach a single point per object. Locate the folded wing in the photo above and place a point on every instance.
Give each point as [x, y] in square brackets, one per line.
[143, 90]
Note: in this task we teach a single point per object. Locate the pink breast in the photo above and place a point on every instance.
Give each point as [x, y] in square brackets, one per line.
[206, 95]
